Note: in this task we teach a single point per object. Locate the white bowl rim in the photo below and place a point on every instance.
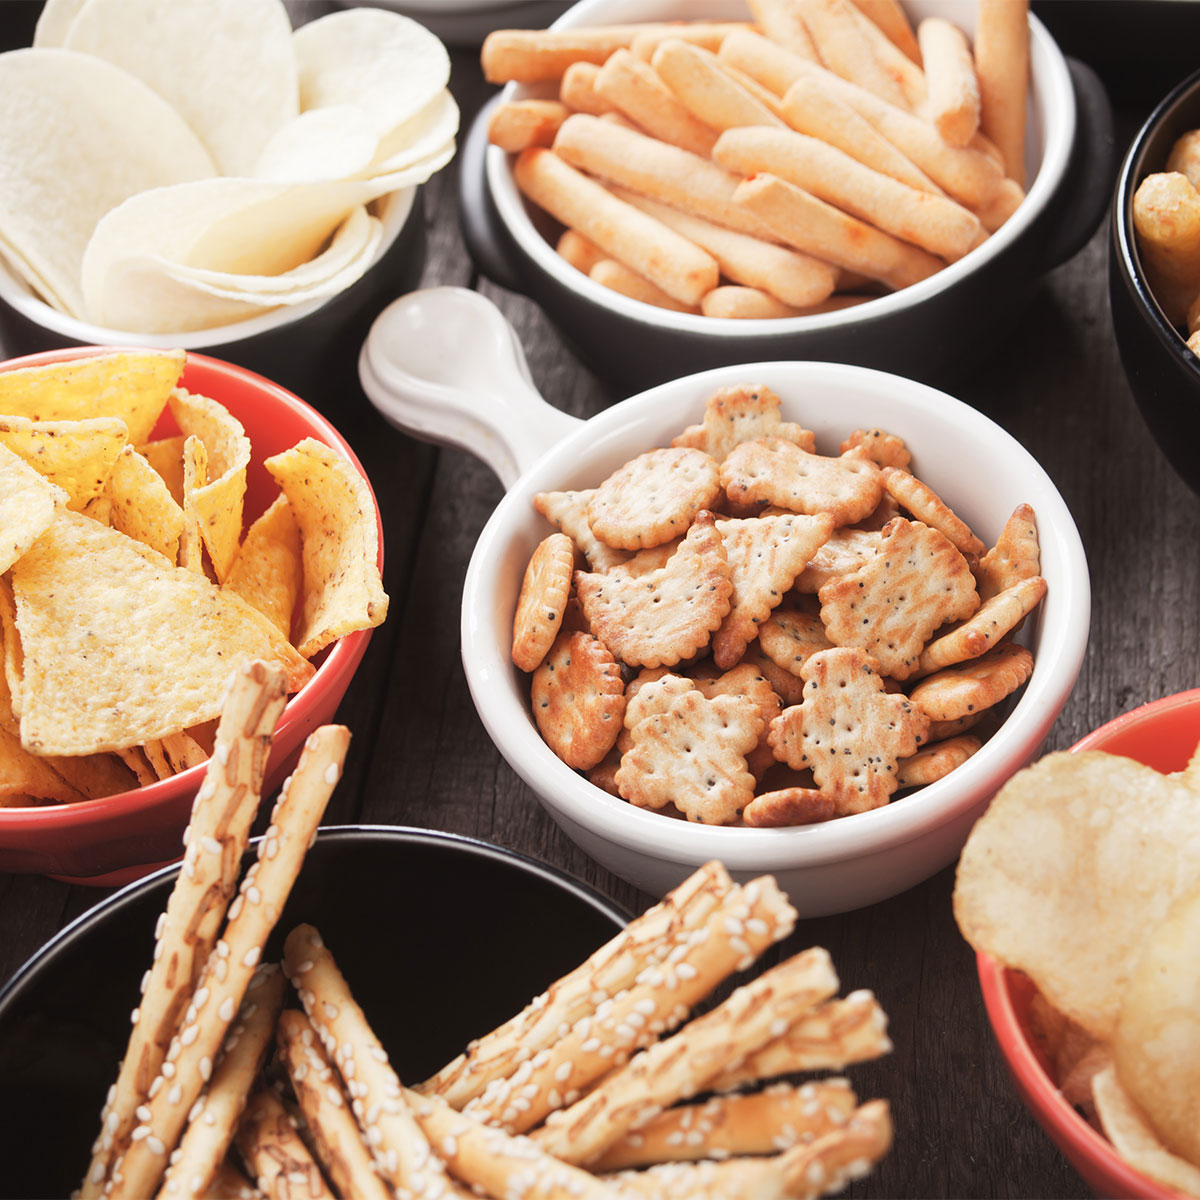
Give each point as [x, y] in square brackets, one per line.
[572, 796]
[1048, 69]
[395, 209]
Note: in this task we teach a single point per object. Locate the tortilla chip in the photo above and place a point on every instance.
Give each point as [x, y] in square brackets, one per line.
[165, 455]
[217, 498]
[27, 503]
[75, 455]
[268, 571]
[339, 538]
[94, 775]
[14, 659]
[134, 759]
[142, 504]
[195, 470]
[99, 509]
[131, 385]
[120, 647]
[23, 774]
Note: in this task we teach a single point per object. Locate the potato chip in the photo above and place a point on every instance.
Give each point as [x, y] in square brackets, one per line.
[23, 774]
[165, 455]
[339, 539]
[1075, 859]
[76, 456]
[142, 505]
[27, 503]
[131, 385]
[120, 647]
[268, 571]
[217, 497]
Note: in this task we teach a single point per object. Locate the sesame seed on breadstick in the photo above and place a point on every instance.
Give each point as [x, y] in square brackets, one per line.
[215, 1116]
[677, 1067]
[275, 1154]
[215, 839]
[188, 1065]
[646, 940]
[748, 921]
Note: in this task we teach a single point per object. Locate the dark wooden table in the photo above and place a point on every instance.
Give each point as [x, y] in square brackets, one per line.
[421, 757]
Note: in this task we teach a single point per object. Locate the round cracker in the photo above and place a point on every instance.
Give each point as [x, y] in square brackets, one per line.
[542, 600]
[578, 699]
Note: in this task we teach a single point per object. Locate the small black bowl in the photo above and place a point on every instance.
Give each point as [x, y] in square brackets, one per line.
[440, 937]
[1163, 373]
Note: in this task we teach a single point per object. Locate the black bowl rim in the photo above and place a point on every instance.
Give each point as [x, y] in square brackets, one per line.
[110, 906]
[1129, 176]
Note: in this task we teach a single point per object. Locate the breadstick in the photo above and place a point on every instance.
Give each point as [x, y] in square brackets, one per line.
[401, 1151]
[657, 170]
[734, 934]
[751, 1123]
[643, 943]
[634, 88]
[619, 278]
[214, 1117]
[890, 17]
[909, 77]
[674, 264]
[518, 124]
[274, 1153]
[735, 302]
[1000, 205]
[1002, 65]
[1166, 220]
[1185, 157]
[763, 95]
[338, 1141]
[953, 87]
[215, 839]
[811, 225]
[708, 93]
[677, 1067]
[578, 89]
[228, 1183]
[935, 223]
[773, 64]
[833, 1035]
[796, 279]
[780, 20]
[709, 34]
[578, 251]
[846, 50]
[189, 1060]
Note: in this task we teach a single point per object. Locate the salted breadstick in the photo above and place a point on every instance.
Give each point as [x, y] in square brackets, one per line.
[578, 89]
[735, 933]
[708, 93]
[617, 277]
[846, 50]
[671, 262]
[274, 1153]
[736, 302]
[188, 1065]
[750, 1123]
[518, 124]
[635, 89]
[1000, 205]
[677, 1067]
[1166, 220]
[890, 17]
[215, 839]
[909, 77]
[953, 86]
[657, 170]
[782, 23]
[811, 225]
[335, 1134]
[709, 34]
[1002, 65]
[839, 1032]
[229, 1183]
[643, 944]
[214, 1118]
[795, 279]
[769, 61]
[582, 254]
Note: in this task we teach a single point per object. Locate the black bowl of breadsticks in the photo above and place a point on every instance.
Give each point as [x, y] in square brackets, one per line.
[706, 193]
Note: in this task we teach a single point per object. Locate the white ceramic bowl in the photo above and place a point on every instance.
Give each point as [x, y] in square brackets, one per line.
[413, 370]
[1069, 160]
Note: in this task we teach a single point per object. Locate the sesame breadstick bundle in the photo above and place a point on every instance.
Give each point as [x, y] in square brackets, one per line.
[188, 1065]
[275, 1154]
[215, 839]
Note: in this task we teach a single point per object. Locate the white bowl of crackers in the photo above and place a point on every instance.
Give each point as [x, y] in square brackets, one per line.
[801, 617]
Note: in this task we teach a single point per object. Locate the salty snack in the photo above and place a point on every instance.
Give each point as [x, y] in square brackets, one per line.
[820, 155]
[820, 611]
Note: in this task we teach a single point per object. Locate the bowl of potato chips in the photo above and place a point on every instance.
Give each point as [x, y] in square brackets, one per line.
[1079, 892]
[166, 516]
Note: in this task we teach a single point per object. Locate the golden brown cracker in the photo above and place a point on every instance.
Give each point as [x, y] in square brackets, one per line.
[789, 806]
[937, 760]
[926, 506]
[1015, 556]
[969, 687]
[567, 511]
[845, 551]
[789, 638]
[542, 599]
[883, 448]
[741, 413]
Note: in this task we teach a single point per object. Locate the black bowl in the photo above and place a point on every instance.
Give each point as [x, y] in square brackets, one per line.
[1163, 373]
[440, 937]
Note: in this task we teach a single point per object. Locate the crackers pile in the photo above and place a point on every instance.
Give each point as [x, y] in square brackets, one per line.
[739, 629]
[133, 578]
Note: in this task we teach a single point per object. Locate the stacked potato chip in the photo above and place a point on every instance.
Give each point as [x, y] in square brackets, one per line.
[172, 167]
[130, 585]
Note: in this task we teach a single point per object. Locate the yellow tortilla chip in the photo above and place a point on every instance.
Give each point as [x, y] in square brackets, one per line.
[74, 455]
[142, 504]
[135, 761]
[120, 647]
[339, 539]
[23, 774]
[165, 455]
[27, 504]
[218, 497]
[268, 571]
[195, 470]
[14, 668]
[99, 509]
[131, 385]
[94, 775]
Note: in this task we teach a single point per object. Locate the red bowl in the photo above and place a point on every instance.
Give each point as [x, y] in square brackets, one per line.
[118, 838]
[1163, 735]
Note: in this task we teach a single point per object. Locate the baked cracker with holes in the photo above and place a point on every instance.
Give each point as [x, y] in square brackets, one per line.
[542, 600]
[968, 687]
[790, 638]
[845, 551]
[926, 506]
[744, 680]
[1015, 556]
[883, 448]
[738, 414]
[937, 760]
[567, 511]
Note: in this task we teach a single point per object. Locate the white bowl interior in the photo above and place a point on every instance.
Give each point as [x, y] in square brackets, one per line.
[1050, 126]
[974, 465]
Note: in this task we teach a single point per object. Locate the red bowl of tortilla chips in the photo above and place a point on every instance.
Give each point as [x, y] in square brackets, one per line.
[172, 527]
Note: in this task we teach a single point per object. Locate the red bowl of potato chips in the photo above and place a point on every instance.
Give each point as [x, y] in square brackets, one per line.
[173, 533]
[1162, 735]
